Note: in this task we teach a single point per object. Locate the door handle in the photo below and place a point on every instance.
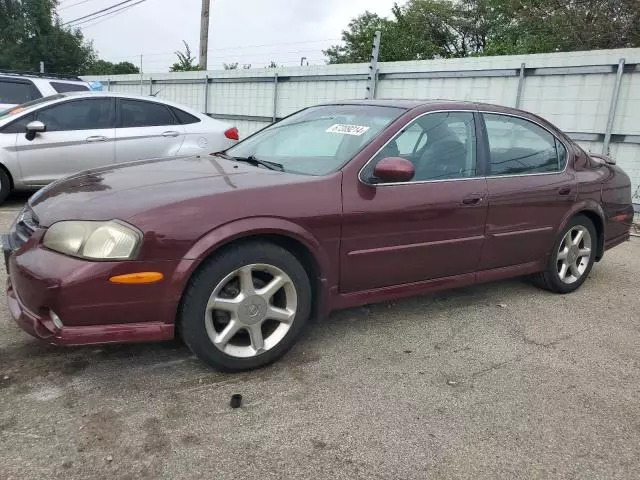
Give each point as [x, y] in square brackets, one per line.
[566, 190]
[473, 199]
[171, 133]
[97, 138]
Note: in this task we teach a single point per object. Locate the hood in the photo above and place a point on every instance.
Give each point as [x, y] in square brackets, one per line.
[133, 189]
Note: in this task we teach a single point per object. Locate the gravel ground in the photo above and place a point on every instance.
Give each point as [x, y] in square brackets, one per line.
[494, 381]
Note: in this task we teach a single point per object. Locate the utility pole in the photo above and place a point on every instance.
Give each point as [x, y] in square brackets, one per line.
[204, 34]
[141, 75]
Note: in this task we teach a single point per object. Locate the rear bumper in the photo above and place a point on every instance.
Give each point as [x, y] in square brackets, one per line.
[92, 310]
[615, 241]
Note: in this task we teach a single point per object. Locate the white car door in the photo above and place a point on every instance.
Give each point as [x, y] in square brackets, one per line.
[79, 135]
[146, 130]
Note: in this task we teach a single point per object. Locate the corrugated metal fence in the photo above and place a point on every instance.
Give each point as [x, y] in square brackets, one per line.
[576, 91]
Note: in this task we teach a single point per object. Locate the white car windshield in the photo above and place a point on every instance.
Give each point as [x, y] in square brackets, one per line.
[317, 140]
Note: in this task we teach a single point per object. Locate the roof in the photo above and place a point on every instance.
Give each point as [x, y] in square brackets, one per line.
[91, 93]
[48, 76]
[133, 96]
[400, 103]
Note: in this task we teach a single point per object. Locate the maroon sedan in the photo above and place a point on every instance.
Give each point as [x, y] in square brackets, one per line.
[336, 206]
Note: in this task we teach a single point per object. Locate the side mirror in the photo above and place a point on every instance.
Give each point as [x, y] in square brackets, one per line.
[393, 170]
[34, 128]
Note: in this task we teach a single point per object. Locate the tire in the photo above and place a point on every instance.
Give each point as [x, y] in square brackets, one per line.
[5, 185]
[552, 278]
[207, 326]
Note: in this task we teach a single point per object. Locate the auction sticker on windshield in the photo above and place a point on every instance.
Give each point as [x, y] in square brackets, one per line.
[343, 129]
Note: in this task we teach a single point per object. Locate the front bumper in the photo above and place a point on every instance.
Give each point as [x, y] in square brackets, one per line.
[92, 309]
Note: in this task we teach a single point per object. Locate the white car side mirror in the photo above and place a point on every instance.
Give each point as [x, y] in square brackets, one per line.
[34, 128]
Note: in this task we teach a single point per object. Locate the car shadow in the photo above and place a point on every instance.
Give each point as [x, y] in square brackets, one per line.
[17, 199]
[29, 359]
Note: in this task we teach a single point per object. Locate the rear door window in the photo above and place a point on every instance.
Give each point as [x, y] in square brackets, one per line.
[518, 147]
[17, 92]
[138, 113]
[62, 87]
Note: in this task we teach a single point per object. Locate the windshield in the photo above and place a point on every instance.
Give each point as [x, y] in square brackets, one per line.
[318, 140]
[21, 108]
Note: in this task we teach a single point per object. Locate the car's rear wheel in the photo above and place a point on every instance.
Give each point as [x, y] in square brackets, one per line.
[572, 257]
[245, 307]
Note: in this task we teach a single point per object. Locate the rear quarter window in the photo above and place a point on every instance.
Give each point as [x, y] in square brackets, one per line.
[17, 92]
[183, 117]
[62, 87]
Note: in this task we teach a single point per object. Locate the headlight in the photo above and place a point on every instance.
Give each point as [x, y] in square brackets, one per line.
[112, 240]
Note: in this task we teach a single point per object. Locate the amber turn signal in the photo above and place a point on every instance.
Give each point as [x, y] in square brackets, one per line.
[137, 278]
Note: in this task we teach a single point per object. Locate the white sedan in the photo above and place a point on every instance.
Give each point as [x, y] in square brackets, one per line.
[54, 137]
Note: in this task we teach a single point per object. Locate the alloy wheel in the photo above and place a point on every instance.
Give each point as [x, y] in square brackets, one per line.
[251, 310]
[574, 254]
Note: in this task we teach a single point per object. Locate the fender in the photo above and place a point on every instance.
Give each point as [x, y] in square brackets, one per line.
[581, 206]
[248, 227]
[591, 206]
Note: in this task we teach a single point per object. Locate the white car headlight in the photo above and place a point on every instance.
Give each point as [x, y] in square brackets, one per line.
[112, 240]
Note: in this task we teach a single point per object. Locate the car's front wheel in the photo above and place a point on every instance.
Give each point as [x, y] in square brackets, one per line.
[572, 257]
[246, 306]
[5, 185]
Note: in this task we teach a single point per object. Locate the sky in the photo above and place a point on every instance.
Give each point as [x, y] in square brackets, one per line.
[252, 32]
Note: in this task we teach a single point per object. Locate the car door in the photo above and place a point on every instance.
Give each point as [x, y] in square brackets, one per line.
[431, 227]
[530, 190]
[146, 130]
[79, 135]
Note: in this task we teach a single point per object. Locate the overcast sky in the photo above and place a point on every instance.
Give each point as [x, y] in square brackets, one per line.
[244, 31]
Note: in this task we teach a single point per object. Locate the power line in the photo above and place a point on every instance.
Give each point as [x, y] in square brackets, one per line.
[97, 12]
[110, 14]
[241, 47]
[73, 4]
[231, 56]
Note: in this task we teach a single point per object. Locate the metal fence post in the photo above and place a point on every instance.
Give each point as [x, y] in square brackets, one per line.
[150, 86]
[372, 79]
[275, 97]
[108, 84]
[613, 107]
[206, 94]
[520, 85]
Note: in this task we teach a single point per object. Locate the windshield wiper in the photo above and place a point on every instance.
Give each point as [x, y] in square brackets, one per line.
[256, 162]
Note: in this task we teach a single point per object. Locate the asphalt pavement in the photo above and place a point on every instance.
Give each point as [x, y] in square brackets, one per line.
[494, 381]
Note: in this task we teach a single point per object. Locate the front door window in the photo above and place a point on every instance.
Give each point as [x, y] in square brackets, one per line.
[441, 146]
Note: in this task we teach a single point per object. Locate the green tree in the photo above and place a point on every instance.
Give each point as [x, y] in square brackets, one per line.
[422, 29]
[102, 67]
[185, 61]
[32, 32]
[358, 37]
[538, 26]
